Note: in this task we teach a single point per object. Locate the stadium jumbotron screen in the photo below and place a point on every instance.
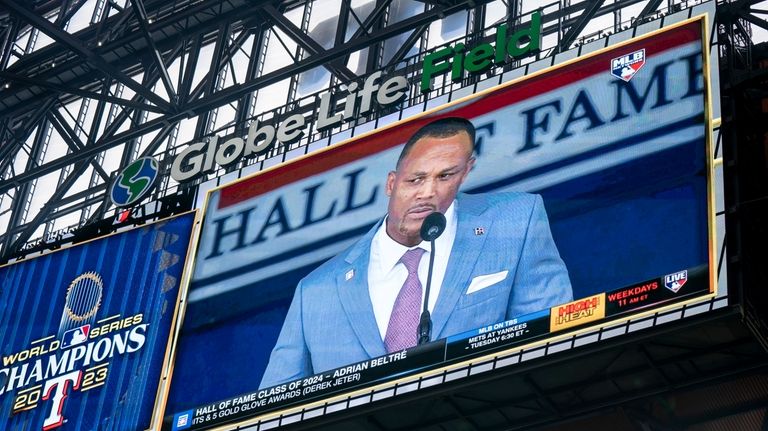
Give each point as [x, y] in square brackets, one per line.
[573, 196]
[86, 330]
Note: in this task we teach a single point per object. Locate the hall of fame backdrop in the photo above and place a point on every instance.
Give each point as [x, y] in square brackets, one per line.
[616, 142]
[84, 331]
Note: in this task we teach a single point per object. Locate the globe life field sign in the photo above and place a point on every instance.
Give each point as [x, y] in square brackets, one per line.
[376, 92]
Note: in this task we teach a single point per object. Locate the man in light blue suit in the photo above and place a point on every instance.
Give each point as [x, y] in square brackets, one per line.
[495, 261]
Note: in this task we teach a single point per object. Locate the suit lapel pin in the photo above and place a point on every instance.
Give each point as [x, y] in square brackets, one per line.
[348, 276]
[479, 231]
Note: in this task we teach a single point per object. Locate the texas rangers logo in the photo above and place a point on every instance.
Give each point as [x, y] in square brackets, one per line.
[676, 281]
[626, 66]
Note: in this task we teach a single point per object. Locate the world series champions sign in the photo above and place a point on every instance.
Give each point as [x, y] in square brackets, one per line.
[84, 331]
[615, 144]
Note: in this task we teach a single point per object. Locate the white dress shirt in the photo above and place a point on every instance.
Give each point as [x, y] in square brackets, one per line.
[386, 274]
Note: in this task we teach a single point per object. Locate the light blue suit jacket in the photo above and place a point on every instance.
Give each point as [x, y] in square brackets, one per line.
[330, 322]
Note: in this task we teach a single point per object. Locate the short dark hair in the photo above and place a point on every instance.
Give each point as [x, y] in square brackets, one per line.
[441, 128]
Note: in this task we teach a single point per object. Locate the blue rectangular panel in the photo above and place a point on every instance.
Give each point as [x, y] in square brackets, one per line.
[84, 331]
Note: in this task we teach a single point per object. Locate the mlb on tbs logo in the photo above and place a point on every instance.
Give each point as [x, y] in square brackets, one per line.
[626, 66]
[676, 281]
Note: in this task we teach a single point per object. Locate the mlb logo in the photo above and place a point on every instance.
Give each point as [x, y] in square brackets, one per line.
[676, 281]
[75, 336]
[182, 420]
[626, 66]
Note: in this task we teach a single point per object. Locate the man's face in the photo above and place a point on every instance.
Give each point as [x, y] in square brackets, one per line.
[426, 181]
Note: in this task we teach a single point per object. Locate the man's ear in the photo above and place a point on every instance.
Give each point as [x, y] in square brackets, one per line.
[390, 183]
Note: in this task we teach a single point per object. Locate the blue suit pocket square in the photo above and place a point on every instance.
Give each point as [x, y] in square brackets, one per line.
[482, 281]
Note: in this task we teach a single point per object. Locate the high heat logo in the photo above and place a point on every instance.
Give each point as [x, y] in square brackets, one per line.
[575, 313]
[676, 281]
[626, 66]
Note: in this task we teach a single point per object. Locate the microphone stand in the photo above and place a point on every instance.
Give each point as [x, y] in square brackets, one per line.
[432, 227]
[425, 322]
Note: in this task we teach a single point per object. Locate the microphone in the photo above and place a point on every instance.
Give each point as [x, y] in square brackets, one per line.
[432, 227]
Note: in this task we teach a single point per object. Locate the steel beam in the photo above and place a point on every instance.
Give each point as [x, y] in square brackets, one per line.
[254, 68]
[199, 90]
[376, 14]
[141, 17]
[365, 29]
[47, 208]
[69, 12]
[341, 25]
[189, 70]
[90, 150]
[70, 138]
[754, 20]
[651, 6]
[78, 92]
[9, 39]
[375, 48]
[91, 57]
[211, 78]
[407, 45]
[9, 147]
[305, 41]
[576, 28]
[24, 189]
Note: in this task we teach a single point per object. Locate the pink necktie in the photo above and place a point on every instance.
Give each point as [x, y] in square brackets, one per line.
[404, 321]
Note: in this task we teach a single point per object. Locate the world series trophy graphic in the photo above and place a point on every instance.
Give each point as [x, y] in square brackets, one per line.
[81, 304]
